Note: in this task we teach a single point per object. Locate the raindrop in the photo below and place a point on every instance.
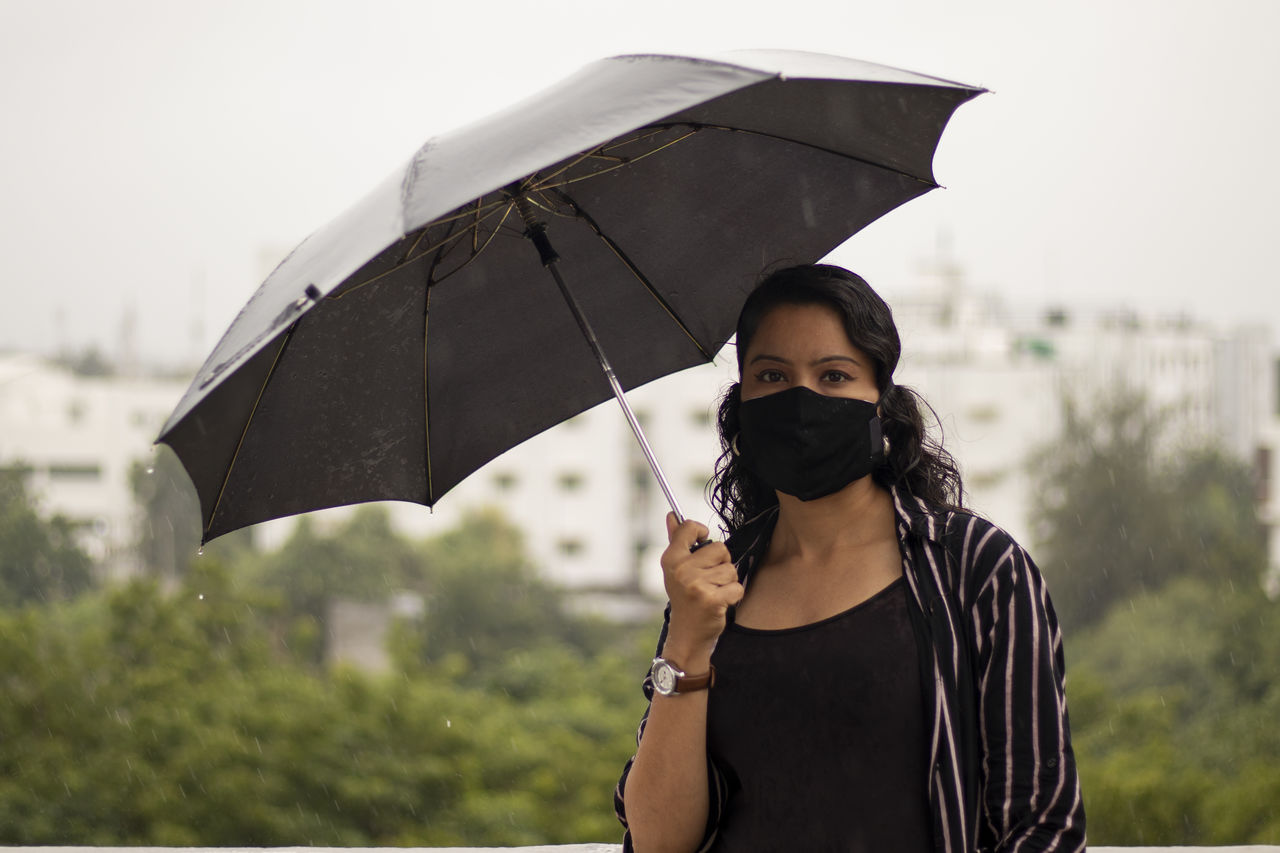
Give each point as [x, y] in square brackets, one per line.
[200, 551]
[448, 724]
[151, 469]
[200, 596]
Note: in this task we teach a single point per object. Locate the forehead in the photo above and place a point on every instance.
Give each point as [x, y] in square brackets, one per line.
[799, 331]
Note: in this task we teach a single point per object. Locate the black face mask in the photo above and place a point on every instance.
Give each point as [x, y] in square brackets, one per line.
[803, 443]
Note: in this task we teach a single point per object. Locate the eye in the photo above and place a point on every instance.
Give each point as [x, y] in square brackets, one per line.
[770, 375]
[836, 376]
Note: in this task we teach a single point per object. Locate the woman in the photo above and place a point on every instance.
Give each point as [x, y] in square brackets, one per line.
[862, 665]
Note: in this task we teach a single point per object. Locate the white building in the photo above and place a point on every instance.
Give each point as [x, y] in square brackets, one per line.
[79, 436]
[582, 493]
[998, 379]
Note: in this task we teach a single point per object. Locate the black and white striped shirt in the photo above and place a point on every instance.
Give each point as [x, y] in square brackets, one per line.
[1002, 771]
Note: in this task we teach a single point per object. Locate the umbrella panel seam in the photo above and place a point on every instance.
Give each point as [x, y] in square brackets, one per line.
[226, 478]
[635, 272]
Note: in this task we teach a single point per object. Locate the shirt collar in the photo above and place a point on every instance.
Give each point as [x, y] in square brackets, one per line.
[915, 516]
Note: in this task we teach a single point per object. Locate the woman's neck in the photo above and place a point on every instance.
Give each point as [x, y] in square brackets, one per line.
[858, 515]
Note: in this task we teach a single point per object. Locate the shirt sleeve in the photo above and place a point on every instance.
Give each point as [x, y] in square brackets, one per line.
[1029, 784]
[717, 792]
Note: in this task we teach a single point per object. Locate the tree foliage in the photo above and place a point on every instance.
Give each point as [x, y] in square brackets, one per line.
[1174, 703]
[40, 561]
[153, 717]
[363, 559]
[1154, 554]
[1120, 511]
[484, 598]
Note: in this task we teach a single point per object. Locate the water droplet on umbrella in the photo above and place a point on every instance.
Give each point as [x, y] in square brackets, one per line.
[200, 551]
[151, 469]
[448, 724]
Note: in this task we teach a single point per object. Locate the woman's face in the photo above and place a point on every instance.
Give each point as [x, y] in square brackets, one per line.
[806, 345]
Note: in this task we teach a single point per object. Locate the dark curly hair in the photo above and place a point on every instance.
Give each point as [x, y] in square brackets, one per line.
[915, 463]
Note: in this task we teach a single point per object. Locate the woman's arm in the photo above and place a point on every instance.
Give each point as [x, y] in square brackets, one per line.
[664, 792]
[1030, 786]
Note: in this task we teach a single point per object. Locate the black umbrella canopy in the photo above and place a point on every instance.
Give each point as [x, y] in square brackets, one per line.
[415, 338]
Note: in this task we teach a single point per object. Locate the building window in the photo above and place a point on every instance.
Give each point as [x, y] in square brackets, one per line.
[75, 471]
[700, 417]
[985, 413]
[570, 546]
[980, 480]
[641, 477]
[570, 481]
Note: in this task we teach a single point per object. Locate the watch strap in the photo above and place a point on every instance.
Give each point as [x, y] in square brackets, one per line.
[683, 682]
[694, 683]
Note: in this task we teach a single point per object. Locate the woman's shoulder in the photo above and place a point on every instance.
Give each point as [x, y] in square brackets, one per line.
[955, 526]
[973, 530]
[986, 553]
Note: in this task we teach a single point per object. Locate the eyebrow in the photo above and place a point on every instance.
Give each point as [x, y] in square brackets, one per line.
[764, 356]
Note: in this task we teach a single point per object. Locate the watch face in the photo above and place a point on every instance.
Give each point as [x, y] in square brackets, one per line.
[664, 678]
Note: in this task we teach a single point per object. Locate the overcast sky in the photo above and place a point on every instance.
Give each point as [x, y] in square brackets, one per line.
[159, 157]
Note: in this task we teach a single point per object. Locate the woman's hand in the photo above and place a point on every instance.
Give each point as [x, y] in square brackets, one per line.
[701, 586]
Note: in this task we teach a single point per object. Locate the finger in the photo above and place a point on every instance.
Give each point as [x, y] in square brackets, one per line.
[718, 575]
[711, 554]
[731, 593]
[672, 524]
[686, 534]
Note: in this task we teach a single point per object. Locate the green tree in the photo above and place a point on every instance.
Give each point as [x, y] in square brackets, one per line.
[364, 559]
[1120, 511]
[146, 717]
[164, 714]
[40, 560]
[1174, 702]
[484, 598]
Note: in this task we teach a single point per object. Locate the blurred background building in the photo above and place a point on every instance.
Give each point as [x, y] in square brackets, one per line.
[996, 377]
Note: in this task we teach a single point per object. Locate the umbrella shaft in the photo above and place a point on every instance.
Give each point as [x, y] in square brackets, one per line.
[594, 343]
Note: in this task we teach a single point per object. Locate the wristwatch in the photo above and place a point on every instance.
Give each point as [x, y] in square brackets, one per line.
[671, 680]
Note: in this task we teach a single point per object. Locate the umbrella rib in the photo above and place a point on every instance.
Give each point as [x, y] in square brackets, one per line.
[426, 392]
[546, 205]
[635, 271]
[453, 237]
[432, 281]
[474, 214]
[540, 185]
[619, 165]
[701, 126]
[226, 478]
[599, 152]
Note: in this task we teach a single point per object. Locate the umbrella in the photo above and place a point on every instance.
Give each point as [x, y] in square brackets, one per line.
[414, 338]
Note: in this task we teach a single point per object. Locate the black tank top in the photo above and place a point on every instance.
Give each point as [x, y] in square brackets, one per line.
[822, 734]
